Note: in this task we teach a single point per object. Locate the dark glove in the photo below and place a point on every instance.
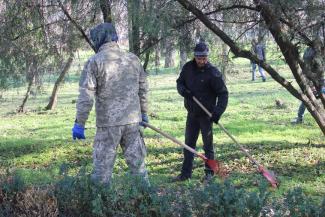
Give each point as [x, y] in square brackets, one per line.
[144, 119]
[188, 94]
[78, 132]
[315, 92]
[215, 117]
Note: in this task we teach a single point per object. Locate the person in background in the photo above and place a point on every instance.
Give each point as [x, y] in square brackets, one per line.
[118, 83]
[302, 108]
[258, 49]
[310, 58]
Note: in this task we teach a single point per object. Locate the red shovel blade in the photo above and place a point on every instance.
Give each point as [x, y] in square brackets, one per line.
[269, 176]
[213, 164]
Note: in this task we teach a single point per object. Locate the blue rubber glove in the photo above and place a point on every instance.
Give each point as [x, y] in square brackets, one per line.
[78, 132]
[144, 119]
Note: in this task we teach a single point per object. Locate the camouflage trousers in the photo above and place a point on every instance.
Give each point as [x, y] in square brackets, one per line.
[106, 142]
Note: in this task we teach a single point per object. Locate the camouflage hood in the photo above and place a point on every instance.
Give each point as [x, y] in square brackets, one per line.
[103, 33]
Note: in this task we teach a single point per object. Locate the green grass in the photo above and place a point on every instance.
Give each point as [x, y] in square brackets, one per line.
[36, 144]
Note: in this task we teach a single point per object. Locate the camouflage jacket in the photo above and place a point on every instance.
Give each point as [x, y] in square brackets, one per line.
[118, 83]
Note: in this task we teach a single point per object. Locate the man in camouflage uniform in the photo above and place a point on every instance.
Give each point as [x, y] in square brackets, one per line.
[118, 83]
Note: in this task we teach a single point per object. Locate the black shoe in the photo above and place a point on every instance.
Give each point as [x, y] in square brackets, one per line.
[180, 178]
[263, 79]
[297, 121]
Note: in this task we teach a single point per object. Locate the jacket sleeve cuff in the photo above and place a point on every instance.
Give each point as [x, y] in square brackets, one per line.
[79, 122]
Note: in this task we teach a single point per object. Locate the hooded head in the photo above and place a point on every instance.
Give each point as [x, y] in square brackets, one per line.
[103, 33]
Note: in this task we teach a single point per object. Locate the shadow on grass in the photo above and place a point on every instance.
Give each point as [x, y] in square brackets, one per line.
[170, 162]
[19, 147]
[75, 155]
[230, 152]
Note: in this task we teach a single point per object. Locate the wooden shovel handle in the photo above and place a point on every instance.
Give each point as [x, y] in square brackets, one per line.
[175, 140]
[226, 131]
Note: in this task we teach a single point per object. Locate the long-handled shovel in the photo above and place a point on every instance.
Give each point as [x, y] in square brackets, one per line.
[213, 164]
[269, 175]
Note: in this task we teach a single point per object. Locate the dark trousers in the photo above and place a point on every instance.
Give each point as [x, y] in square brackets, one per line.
[195, 124]
[301, 111]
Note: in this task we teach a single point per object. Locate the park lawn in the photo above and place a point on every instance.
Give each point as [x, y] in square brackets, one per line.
[36, 144]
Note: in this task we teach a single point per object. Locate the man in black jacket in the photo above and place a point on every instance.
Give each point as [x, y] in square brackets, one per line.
[204, 81]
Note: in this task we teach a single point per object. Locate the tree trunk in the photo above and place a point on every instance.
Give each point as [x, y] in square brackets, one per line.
[157, 58]
[169, 54]
[31, 73]
[43, 11]
[225, 60]
[146, 60]
[182, 55]
[134, 30]
[21, 108]
[53, 99]
[184, 45]
[289, 51]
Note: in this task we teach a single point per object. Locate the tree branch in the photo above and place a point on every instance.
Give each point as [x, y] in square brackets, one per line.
[237, 50]
[246, 30]
[34, 29]
[84, 35]
[232, 7]
[234, 22]
[219, 10]
[298, 30]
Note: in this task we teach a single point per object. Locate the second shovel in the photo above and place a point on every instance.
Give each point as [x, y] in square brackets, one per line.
[213, 164]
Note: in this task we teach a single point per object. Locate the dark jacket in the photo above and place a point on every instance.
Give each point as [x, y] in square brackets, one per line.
[260, 51]
[207, 86]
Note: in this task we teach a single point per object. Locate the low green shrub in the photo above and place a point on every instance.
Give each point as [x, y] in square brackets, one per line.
[297, 204]
[131, 196]
[226, 200]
